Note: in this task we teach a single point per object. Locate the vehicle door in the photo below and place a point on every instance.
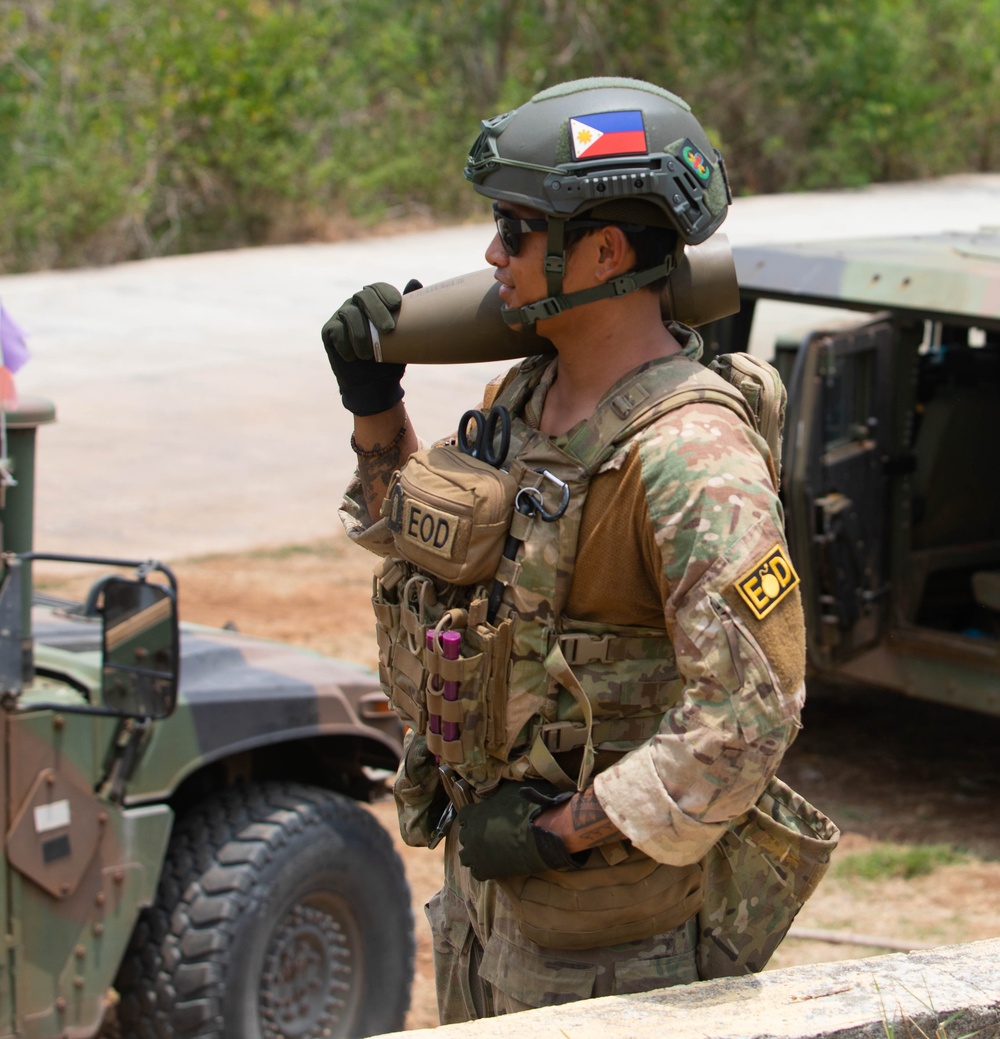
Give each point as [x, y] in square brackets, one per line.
[836, 490]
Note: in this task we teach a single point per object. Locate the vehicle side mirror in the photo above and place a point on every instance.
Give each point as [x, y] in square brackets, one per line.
[140, 648]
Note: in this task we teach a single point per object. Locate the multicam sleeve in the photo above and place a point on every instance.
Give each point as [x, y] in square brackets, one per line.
[733, 610]
[353, 511]
[418, 792]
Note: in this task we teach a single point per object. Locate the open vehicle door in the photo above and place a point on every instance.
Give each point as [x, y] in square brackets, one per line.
[836, 486]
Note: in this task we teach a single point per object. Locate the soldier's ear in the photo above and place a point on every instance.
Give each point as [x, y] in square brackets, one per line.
[614, 253]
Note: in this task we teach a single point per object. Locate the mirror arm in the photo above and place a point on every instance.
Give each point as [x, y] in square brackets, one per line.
[143, 567]
[61, 708]
[124, 756]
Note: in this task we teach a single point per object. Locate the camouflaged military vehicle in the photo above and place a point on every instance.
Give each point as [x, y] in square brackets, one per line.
[181, 815]
[890, 349]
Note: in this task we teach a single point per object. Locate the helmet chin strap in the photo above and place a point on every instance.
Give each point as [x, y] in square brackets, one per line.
[557, 301]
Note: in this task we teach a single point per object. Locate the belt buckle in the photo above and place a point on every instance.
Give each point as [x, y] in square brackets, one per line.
[585, 649]
[560, 737]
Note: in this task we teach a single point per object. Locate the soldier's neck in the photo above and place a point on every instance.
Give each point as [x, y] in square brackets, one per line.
[605, 348]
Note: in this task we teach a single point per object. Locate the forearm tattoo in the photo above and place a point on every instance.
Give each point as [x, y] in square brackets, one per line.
[590, 820]
[375, 475]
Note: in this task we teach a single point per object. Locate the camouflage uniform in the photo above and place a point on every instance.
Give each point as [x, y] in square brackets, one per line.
[681, 535]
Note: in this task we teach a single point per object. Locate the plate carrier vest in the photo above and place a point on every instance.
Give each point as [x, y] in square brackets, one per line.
[522, 685]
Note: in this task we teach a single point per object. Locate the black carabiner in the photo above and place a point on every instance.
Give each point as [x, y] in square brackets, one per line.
[551, 517]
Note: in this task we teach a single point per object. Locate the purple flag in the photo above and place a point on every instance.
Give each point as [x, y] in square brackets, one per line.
[14, 350]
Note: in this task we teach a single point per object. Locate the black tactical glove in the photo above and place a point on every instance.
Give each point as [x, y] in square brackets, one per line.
[496, 838]
[366, 386]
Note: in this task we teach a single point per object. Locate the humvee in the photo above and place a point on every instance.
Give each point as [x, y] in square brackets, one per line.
[890, 351]
[183, 831]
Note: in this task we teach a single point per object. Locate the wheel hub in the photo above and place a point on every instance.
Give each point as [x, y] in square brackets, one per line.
[306, 978]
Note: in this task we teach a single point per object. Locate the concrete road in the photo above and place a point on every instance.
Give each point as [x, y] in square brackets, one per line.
[196, 411]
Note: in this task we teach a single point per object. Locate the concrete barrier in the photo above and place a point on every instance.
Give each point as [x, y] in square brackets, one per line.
[948, 993]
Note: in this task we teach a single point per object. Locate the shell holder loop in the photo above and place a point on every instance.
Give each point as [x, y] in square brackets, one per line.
[418, 591]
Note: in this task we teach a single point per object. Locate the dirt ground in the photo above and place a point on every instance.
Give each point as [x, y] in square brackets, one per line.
[888, 770]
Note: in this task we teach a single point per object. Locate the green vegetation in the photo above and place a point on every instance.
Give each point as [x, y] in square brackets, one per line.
[909, 1029]
[901, 861]
[132, 129]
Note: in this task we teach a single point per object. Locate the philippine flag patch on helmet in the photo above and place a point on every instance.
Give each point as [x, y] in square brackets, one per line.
[606, 134]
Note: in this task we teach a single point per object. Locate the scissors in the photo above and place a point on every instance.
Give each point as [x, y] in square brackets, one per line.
[483, 443]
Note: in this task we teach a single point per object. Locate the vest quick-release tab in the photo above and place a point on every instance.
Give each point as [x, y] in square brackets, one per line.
[587, 649]
[625, 403]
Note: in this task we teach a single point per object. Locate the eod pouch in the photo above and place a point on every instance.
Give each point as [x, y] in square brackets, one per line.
[449, 514]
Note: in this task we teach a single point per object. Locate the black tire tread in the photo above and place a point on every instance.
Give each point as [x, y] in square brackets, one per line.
[171, 981]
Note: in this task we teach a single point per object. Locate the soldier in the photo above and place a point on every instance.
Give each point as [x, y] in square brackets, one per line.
[630, 655]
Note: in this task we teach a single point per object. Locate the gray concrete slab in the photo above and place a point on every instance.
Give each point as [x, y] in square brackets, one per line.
[946, 993]
[196, 411]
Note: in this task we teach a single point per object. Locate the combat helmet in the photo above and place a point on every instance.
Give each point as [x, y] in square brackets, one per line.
[609, 149]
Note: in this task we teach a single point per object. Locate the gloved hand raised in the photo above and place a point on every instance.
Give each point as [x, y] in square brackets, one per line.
[496, 838]
[366, 386]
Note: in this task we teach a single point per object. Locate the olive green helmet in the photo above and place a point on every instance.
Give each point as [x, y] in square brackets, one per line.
[620, 150]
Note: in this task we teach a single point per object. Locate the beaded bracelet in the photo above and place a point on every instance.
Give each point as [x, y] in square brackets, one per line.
[378, 452]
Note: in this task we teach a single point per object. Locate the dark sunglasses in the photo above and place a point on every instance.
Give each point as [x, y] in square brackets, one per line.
[510, 228]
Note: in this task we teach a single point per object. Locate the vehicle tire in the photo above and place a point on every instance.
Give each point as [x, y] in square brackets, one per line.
[282, 913]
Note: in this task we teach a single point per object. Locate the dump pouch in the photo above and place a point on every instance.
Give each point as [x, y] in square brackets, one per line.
[759, 875]
[449, 514]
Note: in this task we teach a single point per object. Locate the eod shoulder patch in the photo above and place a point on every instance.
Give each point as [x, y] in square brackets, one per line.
[767, 582]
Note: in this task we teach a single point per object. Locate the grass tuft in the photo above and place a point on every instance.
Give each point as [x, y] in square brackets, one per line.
[899, 861]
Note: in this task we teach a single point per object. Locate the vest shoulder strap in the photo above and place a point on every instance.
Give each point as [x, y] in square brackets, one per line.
[646, 396]
[649, 393]
[513, 388]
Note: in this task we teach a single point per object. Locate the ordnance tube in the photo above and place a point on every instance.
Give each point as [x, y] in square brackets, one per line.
[452, 643]
[454, 322]
[704, 286]
[459, 320]
[433, 719]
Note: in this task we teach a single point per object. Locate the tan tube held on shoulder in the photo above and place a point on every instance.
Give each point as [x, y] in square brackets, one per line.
[459, 320]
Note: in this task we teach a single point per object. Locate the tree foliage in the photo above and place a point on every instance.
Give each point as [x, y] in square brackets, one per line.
[129, 129]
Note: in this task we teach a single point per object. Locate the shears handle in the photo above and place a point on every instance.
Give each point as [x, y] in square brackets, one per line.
[483, 443]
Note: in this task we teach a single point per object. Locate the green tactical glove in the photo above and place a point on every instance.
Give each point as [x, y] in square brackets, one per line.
[366, 386]
[421, 800]
[496, 838]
